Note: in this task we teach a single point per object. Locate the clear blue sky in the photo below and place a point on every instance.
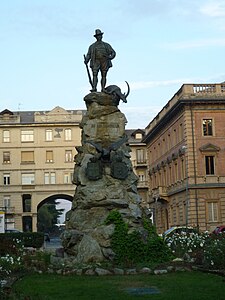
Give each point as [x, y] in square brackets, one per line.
[160, 45]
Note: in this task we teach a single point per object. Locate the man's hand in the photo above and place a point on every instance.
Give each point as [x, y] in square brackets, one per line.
[85, 60]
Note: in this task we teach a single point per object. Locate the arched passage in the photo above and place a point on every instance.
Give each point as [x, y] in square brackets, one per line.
[46, 209]
[55, 197]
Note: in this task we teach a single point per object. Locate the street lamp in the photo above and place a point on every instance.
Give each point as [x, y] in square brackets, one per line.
[5, 218]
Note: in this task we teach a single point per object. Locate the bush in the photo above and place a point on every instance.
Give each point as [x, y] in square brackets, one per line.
[214, 252]
[202, 249]
[11, 260]
[28, 239]
[185, 245]
[38, 260]
[132, 248]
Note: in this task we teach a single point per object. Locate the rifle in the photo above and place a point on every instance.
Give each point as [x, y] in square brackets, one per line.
[88, 72]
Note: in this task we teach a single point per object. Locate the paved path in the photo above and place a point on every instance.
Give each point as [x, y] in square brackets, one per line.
[54, 243]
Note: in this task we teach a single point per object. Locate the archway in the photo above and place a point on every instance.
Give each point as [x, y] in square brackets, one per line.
[50, 212]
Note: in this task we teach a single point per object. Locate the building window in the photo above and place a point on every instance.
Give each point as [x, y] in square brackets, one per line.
[68, 156]
[26, 198]
[141, 176]
[6, 157]
[207, 127]
[6, 136]
[49, 156]
[28, 178]
[27, 136]
[68, 134]
[48, 135]
[212, 211]
[27, 157]
[138, 136]
[6, 178]
[49, 178]
[209, 165]
[140, 156]
[6, 202]
[68, 178]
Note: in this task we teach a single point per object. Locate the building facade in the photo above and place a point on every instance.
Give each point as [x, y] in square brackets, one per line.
[37, 160]
[186, 154]
[139, 162]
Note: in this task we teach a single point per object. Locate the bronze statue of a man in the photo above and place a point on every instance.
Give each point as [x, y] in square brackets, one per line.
[100, 55]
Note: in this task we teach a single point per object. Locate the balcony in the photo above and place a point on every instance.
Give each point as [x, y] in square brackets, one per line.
[137, 163]
[160, 192]
[8, 210]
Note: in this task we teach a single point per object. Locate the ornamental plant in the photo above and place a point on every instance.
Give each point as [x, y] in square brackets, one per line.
[214, 252]
[133, 248]
[203, 249]
[188, 246]
[10, 261]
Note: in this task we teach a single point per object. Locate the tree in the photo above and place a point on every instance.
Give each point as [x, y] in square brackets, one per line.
[48, 216]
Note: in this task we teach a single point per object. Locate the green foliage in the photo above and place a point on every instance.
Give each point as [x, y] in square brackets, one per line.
[214, 252]
[147, 224]
[11, 255]
[48, 216]
[38, 260]
[132, 248]
[28, 239]
[33, 239]
[202, 249]
[14, 257]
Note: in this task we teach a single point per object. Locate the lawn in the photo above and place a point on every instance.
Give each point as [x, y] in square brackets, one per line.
[174, 286]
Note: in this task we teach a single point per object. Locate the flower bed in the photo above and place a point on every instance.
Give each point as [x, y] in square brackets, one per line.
[207, 250]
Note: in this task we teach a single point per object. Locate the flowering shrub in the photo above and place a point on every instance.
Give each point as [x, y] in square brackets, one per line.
[187, 245]
[11, 261]
[13, 258]
[214, 253]
[207, 250]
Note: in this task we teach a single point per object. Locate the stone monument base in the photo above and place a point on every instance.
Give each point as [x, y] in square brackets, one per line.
[105, 181]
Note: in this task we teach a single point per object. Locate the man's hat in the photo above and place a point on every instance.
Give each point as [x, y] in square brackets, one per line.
[98, 32]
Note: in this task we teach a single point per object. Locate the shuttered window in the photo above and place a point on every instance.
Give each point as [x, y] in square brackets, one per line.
[49, 156]
[27, 156]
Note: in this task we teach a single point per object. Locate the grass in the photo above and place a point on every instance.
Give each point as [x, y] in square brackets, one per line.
[173, 286]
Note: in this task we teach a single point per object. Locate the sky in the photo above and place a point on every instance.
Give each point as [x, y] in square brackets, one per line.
[159, 44]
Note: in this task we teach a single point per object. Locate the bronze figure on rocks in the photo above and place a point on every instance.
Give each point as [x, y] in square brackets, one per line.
[103, 173]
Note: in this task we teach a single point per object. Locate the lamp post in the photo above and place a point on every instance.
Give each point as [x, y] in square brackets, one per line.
[184, 148]
[5, 218]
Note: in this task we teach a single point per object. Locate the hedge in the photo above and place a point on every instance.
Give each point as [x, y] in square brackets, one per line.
[28, 239]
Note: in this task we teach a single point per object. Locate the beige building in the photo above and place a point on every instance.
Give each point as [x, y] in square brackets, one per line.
[139, 161]
[186, 154]
[37, 160]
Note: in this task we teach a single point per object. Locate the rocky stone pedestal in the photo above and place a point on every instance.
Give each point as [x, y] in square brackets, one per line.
[105, 181]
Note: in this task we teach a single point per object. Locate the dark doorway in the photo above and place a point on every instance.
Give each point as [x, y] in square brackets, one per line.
[27, 224]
